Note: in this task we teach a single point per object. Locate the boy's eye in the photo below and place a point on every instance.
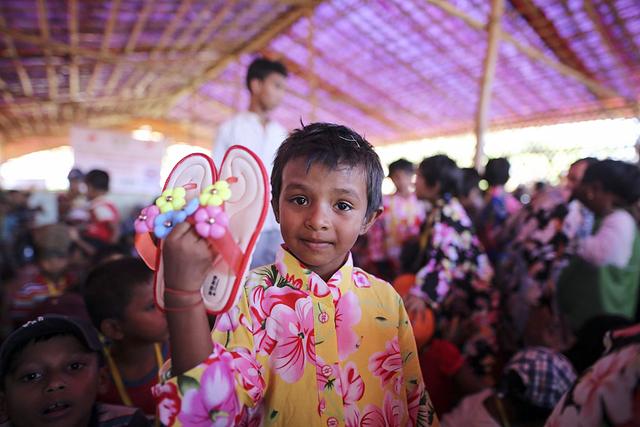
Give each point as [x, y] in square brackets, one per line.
[344, 206]
[299, 200]
[31, 377]
[75, 366]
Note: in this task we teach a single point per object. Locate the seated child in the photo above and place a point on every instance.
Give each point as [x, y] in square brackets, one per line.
[312, 340]
[50, 376]
[532, 383]
[52, 245]
[119, 299]
[446, 373]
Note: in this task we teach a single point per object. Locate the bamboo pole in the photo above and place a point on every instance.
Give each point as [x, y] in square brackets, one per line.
[74, 69]
[484, 103]
[43, 23]
[532, 53]
[279, 25]
[312, 77]
[106, 37]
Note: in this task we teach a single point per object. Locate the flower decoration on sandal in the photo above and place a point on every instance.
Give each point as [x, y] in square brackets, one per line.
[211, 221]
[144, 223]
[215, 194]
[172, 199]
[165, 222]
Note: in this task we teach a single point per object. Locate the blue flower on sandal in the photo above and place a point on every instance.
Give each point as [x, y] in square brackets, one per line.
[164, 223]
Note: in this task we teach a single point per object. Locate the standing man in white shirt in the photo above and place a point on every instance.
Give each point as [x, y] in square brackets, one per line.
[254, 129]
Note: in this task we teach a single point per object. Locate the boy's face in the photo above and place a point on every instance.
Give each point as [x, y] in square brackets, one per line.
[321, 213]
[269, 91]
[402, 180]
[54, 383]
[53, 265]
[142, 320]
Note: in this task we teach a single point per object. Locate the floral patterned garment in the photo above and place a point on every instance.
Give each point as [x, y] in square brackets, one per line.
[296, 350]
[608, 393]
[539, 240]
[456, 275]
[500, 206]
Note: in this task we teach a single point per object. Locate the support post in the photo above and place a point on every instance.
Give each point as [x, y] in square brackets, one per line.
[482, 115]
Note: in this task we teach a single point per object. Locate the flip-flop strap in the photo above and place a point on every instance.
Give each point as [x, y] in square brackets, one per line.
[229, 250]
[227, 247]
[146, 248]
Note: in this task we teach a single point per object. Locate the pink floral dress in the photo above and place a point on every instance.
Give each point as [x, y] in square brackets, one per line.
[297, 350]
[608, 393]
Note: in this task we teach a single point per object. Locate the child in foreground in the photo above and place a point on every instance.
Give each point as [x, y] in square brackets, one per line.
[312, 340]
[50, 376]
[119, 299]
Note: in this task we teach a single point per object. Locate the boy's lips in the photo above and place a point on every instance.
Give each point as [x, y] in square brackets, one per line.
[56, 410]
[316, 243]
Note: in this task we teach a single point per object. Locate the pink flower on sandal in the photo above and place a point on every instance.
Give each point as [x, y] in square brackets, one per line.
[144, 222]
[211, 221]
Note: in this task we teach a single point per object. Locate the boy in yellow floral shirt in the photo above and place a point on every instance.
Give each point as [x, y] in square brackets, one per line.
[313, 340]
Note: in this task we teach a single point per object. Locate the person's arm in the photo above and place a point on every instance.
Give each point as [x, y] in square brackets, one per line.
[612, 244]
[186, 258]
[419, 406]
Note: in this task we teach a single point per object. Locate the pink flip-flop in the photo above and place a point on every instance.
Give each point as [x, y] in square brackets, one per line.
[231, 224]
[246, 210]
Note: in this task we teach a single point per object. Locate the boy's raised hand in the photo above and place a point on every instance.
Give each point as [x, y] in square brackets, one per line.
[186, 259]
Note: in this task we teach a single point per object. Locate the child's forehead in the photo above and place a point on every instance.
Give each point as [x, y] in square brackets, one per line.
[308, 164]
[41, 349]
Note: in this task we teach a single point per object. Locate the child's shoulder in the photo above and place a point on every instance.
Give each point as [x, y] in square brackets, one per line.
[366, 280]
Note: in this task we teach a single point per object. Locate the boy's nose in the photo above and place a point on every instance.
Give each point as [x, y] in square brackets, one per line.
[317, 218]
[56, 383]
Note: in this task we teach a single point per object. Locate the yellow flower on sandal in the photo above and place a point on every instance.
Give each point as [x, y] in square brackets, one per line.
[172, 199]
[215, 194]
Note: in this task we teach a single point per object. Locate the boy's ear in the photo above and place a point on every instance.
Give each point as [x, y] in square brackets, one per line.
[255, 86]
[112, 329]
[368, 222]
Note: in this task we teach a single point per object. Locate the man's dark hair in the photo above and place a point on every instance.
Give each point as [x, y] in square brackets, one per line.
[589, 160]
[401, 165]
[330, 145]
[496, 172]
[470, 180]
[97, 179]
[261, 68]
[617, 177]
[442, 170]
[108, 287]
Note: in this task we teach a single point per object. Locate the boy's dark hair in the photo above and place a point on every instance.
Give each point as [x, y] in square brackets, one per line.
[109, 286]
[496, 172]
[440, 169]
[617, 177]
[401, 165]
[470, 180]
[330, 145]
[97, 179]
[261, 68]
[588, 160]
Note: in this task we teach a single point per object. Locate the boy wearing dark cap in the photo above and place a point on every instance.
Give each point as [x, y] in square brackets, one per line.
[50, 375]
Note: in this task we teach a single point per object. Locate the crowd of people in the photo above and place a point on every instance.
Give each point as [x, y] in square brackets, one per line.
[439, 303]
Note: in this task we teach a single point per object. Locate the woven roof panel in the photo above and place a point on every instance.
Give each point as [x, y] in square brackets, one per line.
[393, 69]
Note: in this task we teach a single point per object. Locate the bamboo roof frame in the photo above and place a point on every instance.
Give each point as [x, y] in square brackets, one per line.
[128, 76]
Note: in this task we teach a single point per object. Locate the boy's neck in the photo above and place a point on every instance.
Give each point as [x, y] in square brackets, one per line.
[133, 358]
[255, 107]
